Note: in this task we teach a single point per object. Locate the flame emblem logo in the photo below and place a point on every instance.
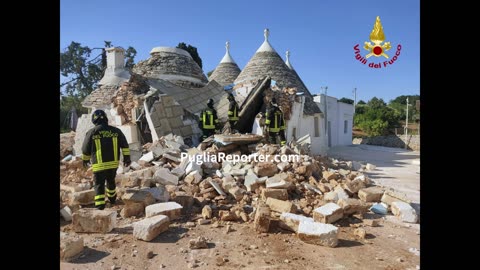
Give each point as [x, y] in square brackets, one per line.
[377, 37]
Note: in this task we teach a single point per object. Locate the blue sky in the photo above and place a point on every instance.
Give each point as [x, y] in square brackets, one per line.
[319, 34]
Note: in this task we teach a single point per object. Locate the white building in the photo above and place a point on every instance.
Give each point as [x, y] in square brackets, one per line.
[339, 120]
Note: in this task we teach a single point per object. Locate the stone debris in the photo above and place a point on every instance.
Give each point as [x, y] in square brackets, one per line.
[170, 209]
[71, 246]
[149, 228]
[391, 196]
[198, 243]
[66, 213]
[360, 233]
[371, 194]
[328, 213]
[291, 221]
[318, 233]
[404, 212]
[94, 221]
[163, 186]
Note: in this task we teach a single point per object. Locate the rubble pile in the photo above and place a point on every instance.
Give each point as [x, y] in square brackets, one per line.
[285, 98]
[307, 195]
[125, 99]
[67, 140]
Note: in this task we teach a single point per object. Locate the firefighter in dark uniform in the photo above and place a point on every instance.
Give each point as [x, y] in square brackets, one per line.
[232, 110]
[208, 120]
[102, 146]
[275, 123]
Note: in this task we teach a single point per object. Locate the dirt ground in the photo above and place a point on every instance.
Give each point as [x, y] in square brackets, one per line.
[385, 247]
[393, 245]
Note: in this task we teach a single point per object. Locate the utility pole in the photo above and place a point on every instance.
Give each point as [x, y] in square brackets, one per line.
[325, 108]
[354, 99]
[406, 128]
[354, 105]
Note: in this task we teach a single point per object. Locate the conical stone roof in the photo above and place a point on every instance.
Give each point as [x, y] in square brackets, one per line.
[267, 62]
[174, 65]
[227, 70]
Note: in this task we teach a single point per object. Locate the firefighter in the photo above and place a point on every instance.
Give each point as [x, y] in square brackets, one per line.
[232, 110]
[275, 123]
[208, 120]
[102, 147]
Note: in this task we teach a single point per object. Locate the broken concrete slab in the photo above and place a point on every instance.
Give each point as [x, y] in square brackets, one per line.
[278, 181]
[280, 194]
[193, 178]
[265, 169]
[360, 233]
[71, 246]
[404, 212]
[262, 219]
[94, 221]
[149, 228]
[138, 196]
[218, 188]
[331, 196]
[251, 182]
[318, 233]
[237, 193]
[341, 192]
[291, 221]
[353, 186]
[66, 213]
[159, 193]
[330, 175]
[280, 206]
[165, 177]
[328, 213]
[178, 171]
[356, 166]
[283, 166]
[193, 166]
[135, 209]
[312, 188]
[391, 196]
[85, 197]
[170, 209]
[352, 206]
[148, 157]
[371, 194]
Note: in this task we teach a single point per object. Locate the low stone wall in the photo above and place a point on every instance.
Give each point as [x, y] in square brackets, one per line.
[413, 141]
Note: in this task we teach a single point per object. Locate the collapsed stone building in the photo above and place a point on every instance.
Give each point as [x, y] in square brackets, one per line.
[167, 92]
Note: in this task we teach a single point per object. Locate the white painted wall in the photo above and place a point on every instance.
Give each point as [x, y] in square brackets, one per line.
[337, 113]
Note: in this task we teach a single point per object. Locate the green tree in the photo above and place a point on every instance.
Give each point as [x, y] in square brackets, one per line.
[375, 117]
[81, 69]
[210, 73]
[346, 100]
[361, 102]
[399, 104]
[193, 52]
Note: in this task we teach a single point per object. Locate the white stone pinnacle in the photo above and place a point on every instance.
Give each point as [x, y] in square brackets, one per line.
[227, 58]
[266, 47]
[288, 60]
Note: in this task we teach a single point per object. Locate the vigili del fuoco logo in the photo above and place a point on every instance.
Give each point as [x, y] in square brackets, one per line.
[378, 48]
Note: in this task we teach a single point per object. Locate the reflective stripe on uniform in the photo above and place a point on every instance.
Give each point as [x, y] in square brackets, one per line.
[99, 203]
[98, 197]
[204, 118]
[282, 143]
[98, 146]
[126, 151]
[105, 166]
[85, 157]
[115, 148]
